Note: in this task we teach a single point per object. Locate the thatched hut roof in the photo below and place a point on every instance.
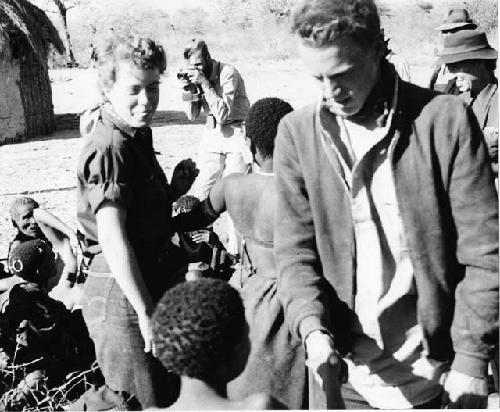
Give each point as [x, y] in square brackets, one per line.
[20, 16]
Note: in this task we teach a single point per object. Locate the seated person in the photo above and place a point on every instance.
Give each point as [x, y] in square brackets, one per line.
[32, 262]
[39, 326]
[34, 222]
[202, 249]
[200, 333]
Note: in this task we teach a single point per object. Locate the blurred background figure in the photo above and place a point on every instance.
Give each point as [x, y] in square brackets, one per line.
[471, 63]
[400, 64]
[455, 21]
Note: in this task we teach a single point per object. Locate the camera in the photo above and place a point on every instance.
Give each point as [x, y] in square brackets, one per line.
[183, 75]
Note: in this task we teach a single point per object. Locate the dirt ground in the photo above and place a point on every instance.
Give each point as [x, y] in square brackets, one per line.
[45, 168]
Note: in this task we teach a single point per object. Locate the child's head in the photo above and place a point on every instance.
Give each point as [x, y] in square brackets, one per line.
[262, 124]
[21, 214]
[200, 331]
[33, 261]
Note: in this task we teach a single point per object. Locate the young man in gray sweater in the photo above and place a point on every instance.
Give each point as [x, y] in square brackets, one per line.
[387, 236]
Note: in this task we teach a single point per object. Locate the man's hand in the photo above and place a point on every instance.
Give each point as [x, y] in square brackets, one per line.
[328, 371]
[146, 327]
[322, 358]
[203, 236]
[465, 392]
[197, 76]
[185, 172]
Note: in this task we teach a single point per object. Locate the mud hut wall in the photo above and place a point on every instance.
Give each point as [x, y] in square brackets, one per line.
[36, 95]
[12, 119]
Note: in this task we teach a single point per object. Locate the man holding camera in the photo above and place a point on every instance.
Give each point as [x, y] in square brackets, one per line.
[219, 90]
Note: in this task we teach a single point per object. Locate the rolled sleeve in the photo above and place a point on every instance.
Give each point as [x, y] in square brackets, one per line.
[106, 176]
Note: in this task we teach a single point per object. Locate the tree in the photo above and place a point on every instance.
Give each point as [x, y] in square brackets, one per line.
[60, 8]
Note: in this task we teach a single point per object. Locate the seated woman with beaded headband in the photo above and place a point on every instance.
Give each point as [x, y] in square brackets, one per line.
[124, 206]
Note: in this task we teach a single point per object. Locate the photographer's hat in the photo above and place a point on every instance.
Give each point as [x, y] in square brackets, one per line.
[466, 45]
[457, 18]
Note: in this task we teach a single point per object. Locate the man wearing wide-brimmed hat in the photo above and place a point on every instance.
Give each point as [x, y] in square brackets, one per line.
[472, 62]
[456, 20]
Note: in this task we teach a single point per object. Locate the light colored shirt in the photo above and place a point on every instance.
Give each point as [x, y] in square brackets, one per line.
[400, 64]
[388, 366]
[226, 99]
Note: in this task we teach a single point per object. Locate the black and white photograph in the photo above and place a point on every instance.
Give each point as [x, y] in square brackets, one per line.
[249, 205]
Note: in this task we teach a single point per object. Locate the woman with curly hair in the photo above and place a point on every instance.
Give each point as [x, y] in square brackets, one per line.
[124, 218]
[200, 333]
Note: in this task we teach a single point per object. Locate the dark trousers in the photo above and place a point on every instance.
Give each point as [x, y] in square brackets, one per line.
[114, 328]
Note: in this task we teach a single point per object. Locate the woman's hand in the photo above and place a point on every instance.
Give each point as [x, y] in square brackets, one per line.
[146, 327]
[465, 392]
[185, 172]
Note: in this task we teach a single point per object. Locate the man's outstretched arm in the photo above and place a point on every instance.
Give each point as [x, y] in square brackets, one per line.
[301, 285]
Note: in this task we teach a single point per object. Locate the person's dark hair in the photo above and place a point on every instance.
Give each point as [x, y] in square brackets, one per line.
[31, 260]
[16, 203]
[491, 65]
[185, 204]
[262, 123]
[144, 53]
[196, 326]
[321, 22]
[196, 45]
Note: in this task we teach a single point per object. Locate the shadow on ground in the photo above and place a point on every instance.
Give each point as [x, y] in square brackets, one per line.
[71, 121]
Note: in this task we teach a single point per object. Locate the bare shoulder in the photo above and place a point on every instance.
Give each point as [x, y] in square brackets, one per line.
[235, 179]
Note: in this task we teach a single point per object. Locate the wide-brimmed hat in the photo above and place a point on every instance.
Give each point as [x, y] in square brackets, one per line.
[457, 18]
[466, 45]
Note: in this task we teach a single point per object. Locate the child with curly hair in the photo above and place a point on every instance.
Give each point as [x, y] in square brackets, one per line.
[200, 333]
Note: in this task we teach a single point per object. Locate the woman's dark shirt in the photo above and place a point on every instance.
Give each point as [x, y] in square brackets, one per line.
[118, 164]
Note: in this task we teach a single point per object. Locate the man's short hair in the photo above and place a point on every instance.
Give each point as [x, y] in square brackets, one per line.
[196, 325]
[262, 123]
[194, 46]
[20, 201]
[142, 52]
[321, 22]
